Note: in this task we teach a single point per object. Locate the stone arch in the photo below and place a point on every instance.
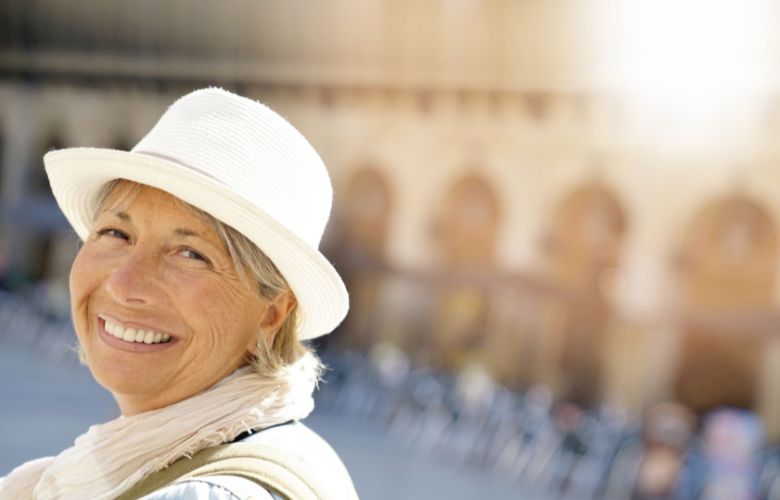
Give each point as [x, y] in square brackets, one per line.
[466, 230]
[37, 182]
[32, 248]
[586, 234]
[728, 258]
[3, 167]
[583, 251]
[366, 211]
[359, 250]
[726, 270]
[5, 261]
[465, 234]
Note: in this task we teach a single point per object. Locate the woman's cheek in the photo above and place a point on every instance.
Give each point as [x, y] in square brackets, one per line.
[80, 284]
[79, 277]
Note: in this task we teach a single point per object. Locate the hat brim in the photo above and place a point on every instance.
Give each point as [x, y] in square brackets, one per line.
[77, 175]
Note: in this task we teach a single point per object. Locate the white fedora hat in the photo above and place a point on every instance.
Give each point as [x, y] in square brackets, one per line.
[239, 161]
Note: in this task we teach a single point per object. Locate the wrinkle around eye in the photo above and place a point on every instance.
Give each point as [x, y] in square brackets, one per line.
[112, 232]
[196, 256]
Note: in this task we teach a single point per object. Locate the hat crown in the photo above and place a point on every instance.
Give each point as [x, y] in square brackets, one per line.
[251, 150]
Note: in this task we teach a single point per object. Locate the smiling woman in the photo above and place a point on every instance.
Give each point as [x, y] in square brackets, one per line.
[198, 279]
[148, 271]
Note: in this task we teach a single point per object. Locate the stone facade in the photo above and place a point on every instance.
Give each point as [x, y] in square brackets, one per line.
[493, 203]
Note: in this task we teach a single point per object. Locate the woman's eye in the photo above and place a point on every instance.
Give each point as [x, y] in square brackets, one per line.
[192, 254]
[113, 233]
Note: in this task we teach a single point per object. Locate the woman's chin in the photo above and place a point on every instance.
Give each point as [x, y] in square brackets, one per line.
[130, 369]
[126, 380]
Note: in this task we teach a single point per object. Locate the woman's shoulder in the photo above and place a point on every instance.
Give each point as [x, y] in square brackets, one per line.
[313, 459]
[298, 439]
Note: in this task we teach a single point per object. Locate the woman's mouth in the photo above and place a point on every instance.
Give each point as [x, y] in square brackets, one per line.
[132, 338]
[135, 335]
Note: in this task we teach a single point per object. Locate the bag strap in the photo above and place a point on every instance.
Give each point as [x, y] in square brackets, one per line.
[279, 471]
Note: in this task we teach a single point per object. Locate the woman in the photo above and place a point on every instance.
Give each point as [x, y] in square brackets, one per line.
[198, 279]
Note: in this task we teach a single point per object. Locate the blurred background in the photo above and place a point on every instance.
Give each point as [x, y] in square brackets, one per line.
[557, 219]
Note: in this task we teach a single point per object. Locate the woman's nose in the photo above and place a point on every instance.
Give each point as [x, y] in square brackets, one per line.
[132, 281]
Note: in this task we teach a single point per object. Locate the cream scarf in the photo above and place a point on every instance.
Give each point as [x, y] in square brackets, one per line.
[109, 458]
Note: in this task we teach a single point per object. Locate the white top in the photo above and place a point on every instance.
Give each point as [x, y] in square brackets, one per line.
[213, 488]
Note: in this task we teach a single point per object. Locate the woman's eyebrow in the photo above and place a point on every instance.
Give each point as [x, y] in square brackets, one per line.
[117, 213]
[183, 231]
[186, 232]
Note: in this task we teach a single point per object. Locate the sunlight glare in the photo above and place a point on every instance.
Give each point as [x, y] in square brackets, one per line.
[703, 66]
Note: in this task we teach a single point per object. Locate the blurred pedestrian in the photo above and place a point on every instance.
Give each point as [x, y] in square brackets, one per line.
[668, 429]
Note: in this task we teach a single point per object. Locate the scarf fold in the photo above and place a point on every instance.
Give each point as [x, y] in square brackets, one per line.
[111, 457]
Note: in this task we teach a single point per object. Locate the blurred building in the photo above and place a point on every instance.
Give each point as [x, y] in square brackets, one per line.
[496, 203]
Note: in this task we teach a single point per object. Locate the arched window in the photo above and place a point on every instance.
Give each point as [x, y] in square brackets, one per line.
[367, 205]
[32, 217]
[583, 247]
[467, 225]
[727, 270]
[586, 234]
[37, 182]
[465, 236]
[3, 166]
[729, 257]
[358, 251]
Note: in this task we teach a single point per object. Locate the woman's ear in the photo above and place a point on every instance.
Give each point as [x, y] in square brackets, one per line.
[277, 311]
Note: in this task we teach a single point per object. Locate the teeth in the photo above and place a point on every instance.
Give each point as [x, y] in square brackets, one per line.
[135, 335]
[129, 335]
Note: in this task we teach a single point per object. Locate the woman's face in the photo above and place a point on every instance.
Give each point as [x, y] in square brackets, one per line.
[155, 274]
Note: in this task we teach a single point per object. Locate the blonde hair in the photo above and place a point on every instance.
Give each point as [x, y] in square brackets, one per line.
[271, 358]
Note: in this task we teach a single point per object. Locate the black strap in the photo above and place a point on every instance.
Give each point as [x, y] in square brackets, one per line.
[248, 433]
